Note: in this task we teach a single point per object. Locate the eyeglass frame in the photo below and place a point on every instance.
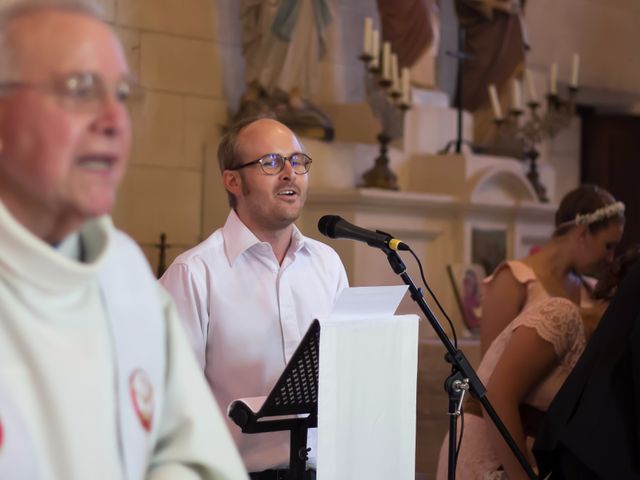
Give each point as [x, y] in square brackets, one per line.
[71, 99]
[284, 161]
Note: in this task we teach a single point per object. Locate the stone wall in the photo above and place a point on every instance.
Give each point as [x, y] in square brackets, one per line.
[177, 53]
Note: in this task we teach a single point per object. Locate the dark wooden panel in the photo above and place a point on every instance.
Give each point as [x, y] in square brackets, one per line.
[610, 158]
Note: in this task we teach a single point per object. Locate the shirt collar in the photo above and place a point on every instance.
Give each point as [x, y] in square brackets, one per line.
[238, 238]
[298, 240]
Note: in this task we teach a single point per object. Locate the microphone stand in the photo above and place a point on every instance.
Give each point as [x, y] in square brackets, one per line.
[462, 378]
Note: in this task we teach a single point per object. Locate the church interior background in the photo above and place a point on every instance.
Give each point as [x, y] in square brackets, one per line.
[453, 208]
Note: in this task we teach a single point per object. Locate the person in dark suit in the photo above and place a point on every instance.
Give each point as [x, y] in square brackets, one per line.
[592, 426]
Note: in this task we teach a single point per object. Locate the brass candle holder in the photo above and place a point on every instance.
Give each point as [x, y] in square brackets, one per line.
[389, 100]
[527, 128]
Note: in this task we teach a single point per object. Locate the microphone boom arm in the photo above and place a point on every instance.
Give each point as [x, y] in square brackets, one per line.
[460, 368]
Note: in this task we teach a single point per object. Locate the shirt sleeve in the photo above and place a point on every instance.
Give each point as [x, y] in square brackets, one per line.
[193, 440]
[185, 287]
[556, 320]
[343, 281]
[521, 272]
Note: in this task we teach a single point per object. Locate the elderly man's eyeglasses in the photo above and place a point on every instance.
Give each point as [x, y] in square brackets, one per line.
[273, 163]
[82, 91]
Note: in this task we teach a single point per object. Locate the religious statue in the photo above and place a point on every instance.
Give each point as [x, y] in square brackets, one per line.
[283, 42]
[412, 28]
[495, 45]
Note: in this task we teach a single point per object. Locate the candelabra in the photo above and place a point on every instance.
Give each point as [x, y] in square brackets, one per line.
[527, 131]
[388, 96]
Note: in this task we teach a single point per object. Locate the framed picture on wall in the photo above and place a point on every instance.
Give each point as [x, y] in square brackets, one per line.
[466, 280]
[488, 248]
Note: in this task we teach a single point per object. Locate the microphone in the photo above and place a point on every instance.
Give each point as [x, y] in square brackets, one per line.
[334, 226]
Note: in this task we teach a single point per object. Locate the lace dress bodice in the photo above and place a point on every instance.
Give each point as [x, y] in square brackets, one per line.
[555, 320]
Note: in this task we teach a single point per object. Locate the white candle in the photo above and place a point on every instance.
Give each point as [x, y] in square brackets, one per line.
[375, 50]
[368, 36]
[395, 75]
[406, 87]
[517, 95]
[495, 103]
[531, 86]
[575, 69]
[553, 79]
[386, 61]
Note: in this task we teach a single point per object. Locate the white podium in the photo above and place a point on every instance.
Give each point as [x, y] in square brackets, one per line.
[367, 388]
[354, 375]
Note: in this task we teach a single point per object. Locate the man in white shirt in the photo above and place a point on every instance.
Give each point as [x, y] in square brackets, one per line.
[97, 380]
[249, 292]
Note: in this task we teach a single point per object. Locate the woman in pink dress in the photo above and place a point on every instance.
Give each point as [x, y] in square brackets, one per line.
[589, 224]
[527, 363]
[523, 369]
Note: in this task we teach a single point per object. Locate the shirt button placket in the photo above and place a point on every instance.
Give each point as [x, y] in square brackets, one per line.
[288, 321]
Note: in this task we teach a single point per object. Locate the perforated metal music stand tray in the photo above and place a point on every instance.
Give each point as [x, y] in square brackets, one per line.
[291, 405]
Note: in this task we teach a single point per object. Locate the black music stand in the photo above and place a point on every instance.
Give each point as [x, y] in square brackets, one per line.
[291, 405]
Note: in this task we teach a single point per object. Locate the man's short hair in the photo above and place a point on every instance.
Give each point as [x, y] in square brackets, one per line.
[22, 8]
[228, 146]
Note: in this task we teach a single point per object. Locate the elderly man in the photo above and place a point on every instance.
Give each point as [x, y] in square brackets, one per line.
[249, 292]
[97, 380]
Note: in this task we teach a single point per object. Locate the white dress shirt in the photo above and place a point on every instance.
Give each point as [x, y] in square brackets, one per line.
[245, 315]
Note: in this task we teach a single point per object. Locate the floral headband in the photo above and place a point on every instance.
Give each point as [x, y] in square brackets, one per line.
[601, 213]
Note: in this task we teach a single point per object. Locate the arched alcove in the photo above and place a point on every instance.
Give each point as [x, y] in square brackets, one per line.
[500, 185]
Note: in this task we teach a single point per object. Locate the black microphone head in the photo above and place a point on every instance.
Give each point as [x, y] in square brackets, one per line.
[327, 225]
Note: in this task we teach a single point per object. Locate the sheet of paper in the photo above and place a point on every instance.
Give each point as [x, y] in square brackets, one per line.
[367, 302]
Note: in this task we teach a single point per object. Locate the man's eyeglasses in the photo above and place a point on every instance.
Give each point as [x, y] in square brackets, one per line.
[273, 163]
[82, 91]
